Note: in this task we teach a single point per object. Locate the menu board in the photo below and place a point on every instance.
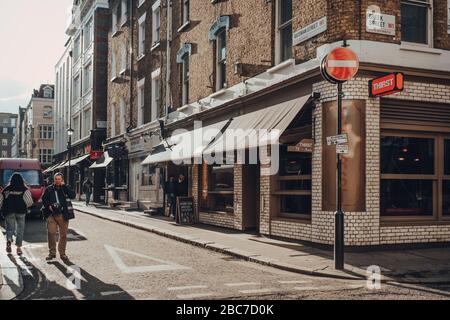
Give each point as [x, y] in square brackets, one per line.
[185, 210]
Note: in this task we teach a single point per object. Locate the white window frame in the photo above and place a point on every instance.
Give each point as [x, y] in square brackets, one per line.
[4, 154]
[141, 36]
[76, 88]
[186, 12]
[77, 49]
[156, 23]
[86, 130]
[141, 102]
[156, 94]
[124, 12]
[5, 142]
[219, 63]
[87, 76]
[46, 132]
[278, 38]
[113, 120]
[88, 34]
[113, 66]
[115, 18]
[123, 59]
[140, 3]
[123, 106]
[430, 34]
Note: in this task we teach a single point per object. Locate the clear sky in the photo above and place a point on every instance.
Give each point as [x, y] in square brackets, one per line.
[32, 39]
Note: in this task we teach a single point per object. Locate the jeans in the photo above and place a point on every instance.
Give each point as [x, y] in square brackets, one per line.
[88, 197]
[55, 222]
[15, 225]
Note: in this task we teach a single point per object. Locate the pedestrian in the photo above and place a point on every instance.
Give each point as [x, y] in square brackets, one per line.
[171, 195]
[182, 186]
[15, 200]
[57, 209]
[87, 190]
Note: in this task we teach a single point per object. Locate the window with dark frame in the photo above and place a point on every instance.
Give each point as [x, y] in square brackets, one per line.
[185, 12]
[284, 29]
[416, 21]
[221, 59]
[185, 77]
[217, 188]
[446, 180]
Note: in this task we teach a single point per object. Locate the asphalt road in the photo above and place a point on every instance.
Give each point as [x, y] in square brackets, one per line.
[120, 262]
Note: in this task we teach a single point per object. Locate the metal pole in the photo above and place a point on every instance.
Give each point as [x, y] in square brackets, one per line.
[339, 216]
[69, 147]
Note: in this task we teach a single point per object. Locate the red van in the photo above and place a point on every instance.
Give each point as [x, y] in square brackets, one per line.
[31, 171]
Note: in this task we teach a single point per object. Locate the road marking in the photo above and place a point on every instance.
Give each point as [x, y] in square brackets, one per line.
[256, 291]
[194, 295]
[322, 288]
[186, 288]
[242, 284]
[162, 266]
[24, 268]
[294, 281]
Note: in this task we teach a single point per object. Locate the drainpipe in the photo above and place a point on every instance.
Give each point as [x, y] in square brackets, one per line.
[168, 55]
[131, 40]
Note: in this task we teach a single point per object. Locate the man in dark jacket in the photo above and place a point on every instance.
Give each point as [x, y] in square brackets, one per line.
[87, 190]
[171, 194]
[58, 211]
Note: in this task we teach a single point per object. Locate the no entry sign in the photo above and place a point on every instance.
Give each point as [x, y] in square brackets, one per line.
[385, 85]
[340, 65]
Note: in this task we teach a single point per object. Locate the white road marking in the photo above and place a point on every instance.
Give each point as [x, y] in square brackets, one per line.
[294, 281]
[24, 269]
[162, 266]
[186, 288]
[256, 291]
[242, 284]
[194, 295]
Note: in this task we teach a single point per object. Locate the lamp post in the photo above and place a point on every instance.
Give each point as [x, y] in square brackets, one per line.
[70, 132]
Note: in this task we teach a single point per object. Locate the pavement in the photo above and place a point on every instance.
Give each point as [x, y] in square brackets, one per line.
[413, 266]
[11, 282]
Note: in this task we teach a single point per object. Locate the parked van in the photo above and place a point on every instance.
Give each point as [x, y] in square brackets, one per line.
[31, 171]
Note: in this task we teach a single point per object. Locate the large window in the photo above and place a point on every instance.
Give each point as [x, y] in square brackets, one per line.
[87, 80]
[221, 59]
[156, 19]
[88, 33]
[414, 176]
[185, 11]
[417, 21]
[217, 188]
[149, 176]
[76, 48]
[45, 156]
[141, 36]
[76, 89]
[156, 94]
[46, 132]
[87, 123]
[284, 30]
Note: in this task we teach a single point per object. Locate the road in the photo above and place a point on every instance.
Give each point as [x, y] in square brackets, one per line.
[120, 262]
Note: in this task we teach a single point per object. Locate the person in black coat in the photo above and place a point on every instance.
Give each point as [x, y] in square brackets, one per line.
[57, 209]
[15, 200]
[171, 194]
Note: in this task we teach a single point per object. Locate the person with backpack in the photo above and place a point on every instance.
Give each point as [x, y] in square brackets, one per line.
[15, 200]
[57, 209]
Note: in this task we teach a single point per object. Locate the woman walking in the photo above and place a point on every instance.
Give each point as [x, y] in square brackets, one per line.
[14, 203]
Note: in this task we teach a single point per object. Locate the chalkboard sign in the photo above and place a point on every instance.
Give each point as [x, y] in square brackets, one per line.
[185, 210]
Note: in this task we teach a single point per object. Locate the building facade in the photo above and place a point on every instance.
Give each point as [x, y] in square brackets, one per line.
[8, 130]
[38, 129]
[18, 149]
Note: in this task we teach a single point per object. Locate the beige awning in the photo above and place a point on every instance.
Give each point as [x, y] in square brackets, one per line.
[262, 127]
[103, 162]
[182, 147]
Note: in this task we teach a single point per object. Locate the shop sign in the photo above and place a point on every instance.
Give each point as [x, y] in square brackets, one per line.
[310, 31]
[376, 22]
[136, 145]
[342, 149]
[385, 85]
[305, 146]
[338, 139]
[95, 155]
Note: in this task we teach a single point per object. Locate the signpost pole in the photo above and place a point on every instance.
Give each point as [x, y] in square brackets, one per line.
[339, 216]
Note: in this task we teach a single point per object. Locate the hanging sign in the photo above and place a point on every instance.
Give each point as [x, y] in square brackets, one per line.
[385, 85]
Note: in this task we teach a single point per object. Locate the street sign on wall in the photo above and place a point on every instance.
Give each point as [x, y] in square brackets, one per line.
[380, 23]
[340, 65]
[385, 85]
[310, 31]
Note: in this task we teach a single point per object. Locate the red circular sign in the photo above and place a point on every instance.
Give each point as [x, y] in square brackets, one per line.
[341, 64]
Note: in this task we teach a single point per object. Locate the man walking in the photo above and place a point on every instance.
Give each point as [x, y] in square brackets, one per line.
[58, 210]
[87, 190]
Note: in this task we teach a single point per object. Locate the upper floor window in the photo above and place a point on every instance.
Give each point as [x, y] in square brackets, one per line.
[141, 36]
[417, 24]
[48, 93]
[141, 101]
[123, 59]
[113, 66]
[140, 3]
[156, 18]
[113, 120]
[115, 19]
[123, 107]
[124, 10]
[4, 142]
[76, 88]
[221, 59]
[283, 30]
[76, 48]
[185, 11]
[87, 83]
[183, 59]
[156, 93]
[88, 33]
[46, 132]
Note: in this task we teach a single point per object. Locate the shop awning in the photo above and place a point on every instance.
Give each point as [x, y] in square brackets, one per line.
[184, 146]
[262, 127]
[75, 161]
[60, 166]
[103, 162]
[51, 168]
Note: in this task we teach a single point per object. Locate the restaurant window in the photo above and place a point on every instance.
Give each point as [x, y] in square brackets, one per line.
[417, 21]
[415, 175]
[217, 188]
[294, 183]
[221, 59]
[284, 30]
[148, 175]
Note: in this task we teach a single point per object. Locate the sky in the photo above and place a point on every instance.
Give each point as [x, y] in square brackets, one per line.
[32, 38]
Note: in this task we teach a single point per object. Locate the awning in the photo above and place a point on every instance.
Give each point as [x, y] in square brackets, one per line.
[262, 127]
[184, 146]
[60, 166]
[103, 162]
[75, 161]
[50, 169]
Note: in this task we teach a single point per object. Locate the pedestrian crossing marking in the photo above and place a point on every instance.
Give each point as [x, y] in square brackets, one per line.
[124, 268]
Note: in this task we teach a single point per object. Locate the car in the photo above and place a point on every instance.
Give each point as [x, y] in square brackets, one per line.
[31, 171]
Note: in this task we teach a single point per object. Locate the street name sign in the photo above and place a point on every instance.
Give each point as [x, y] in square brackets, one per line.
[342, 149]
[310, 31]
[380, 23]
[385, 85]
[338, 139]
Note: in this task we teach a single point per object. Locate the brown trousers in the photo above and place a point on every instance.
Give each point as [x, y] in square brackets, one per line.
[53, 224]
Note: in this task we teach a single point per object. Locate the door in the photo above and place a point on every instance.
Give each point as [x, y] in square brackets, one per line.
[250, 198]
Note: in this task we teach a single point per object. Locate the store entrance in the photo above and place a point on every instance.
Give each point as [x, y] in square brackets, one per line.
[251, 197]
